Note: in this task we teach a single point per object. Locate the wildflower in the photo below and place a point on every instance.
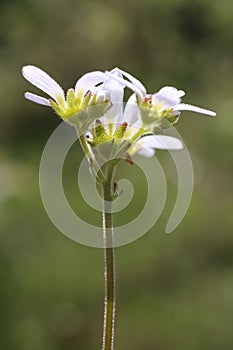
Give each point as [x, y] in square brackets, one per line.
[120, 131]
[161, 109]
[78, 101]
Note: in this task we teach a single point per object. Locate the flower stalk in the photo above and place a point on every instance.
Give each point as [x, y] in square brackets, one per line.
[109, 260]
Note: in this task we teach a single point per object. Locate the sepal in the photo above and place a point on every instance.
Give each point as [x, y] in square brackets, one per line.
[83, 118]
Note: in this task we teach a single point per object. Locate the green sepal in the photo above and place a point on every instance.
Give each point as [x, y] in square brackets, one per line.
[120, 131]
[86, 100]
[57, 108]
[147, 115]
[110, 151]
[83, 118]
[71, 98]
[99, 133]
[173, 118]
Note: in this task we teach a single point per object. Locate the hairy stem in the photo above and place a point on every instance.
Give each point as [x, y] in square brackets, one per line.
[109, 274]
[95, 170]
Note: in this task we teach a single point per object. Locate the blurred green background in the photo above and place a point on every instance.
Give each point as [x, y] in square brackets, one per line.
[173, 291]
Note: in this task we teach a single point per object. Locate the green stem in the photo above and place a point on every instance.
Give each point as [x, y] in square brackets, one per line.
[84, 144]
[93, 165]
[109, 274]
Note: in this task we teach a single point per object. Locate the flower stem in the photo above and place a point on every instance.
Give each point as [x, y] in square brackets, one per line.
[109, 274]
[97, 173]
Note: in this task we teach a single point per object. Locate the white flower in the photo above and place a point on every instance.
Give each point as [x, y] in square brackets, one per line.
[170, 98]
[114, 84]
[132, 83]
[166, 99]
[114, 121]
[116, 93]
[75, 100]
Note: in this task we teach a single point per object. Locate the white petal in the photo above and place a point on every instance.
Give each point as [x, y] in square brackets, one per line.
[132, 117]
[161, 142]
[135, 81]
[131, 86]
[166, 142]
[131, 112]
[116, 91]
[146, 152]
[37, 99]
[95, 89]
[171, 91]
[102, 95]
[161, 103]
[43, 81]
[89, 80]
[187, 107]
[112, 82]
[170, 95]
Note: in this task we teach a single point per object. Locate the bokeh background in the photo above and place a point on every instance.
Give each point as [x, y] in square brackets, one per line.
[173, 291]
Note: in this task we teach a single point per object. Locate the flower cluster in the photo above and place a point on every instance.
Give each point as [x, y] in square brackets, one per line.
[95, 106]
